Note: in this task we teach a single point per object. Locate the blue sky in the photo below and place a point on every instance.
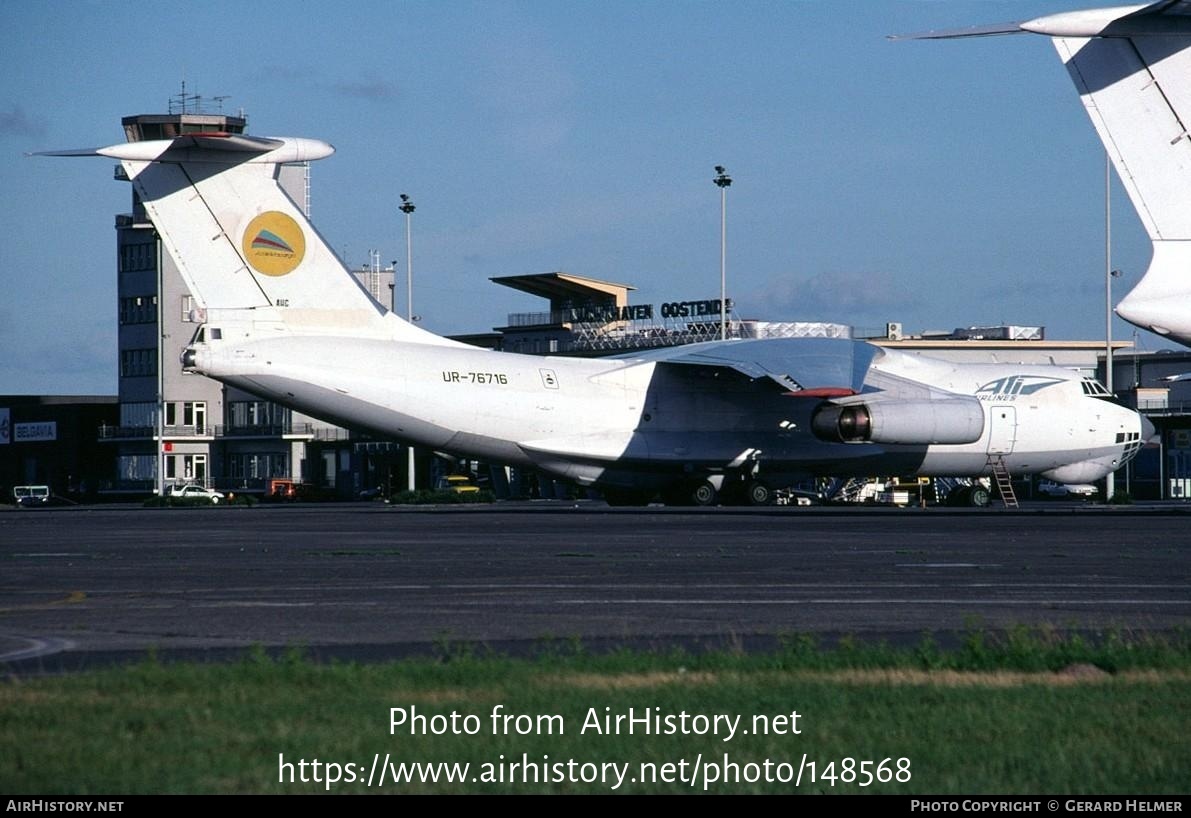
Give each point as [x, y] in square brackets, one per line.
[939, 184]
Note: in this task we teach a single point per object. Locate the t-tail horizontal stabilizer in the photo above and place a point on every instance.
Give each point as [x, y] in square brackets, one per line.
[217, 147]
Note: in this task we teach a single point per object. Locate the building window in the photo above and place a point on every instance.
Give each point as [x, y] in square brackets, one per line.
[139, 309]
[138, 256]
[194, 413]
[257, 466]
[194, 468]
[137, 466]
[258, 416]
[138, 414]
[138, 363]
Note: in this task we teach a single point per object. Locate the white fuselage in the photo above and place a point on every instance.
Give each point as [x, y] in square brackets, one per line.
[638, 423]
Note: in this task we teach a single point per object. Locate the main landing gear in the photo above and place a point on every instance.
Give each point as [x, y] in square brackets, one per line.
[716, 490]
[976, 496]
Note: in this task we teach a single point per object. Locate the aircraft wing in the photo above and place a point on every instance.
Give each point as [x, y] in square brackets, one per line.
[836, 369]
[805, 367]
[862, 403]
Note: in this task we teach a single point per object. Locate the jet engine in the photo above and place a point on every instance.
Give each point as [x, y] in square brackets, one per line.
[901, 422]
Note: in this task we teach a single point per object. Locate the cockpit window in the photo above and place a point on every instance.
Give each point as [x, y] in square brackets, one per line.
[1094, 389]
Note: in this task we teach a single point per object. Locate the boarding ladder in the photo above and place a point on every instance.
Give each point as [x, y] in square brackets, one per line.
[1001, 477]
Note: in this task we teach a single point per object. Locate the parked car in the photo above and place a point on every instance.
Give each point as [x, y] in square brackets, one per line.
[1049, 488]
[192, 490]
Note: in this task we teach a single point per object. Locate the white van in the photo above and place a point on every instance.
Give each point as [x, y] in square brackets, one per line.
[31, 495]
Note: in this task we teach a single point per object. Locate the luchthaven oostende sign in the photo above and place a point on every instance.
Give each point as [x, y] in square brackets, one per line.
[645, 312]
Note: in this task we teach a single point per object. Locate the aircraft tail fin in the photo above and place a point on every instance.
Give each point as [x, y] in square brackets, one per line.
[1132, 68]
[1137, 91]
[239, 241]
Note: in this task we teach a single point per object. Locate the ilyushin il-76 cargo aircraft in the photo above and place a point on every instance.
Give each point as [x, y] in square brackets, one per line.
[730, 419]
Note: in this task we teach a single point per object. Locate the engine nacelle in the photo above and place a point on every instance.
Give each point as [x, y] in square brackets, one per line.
[900, 422]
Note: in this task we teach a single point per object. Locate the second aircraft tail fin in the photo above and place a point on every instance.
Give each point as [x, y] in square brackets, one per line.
[1136, 88]
[1132, 68]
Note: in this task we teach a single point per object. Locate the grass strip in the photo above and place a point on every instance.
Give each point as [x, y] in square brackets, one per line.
[1029, 711]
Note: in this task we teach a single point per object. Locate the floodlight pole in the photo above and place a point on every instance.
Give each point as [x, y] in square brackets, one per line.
[722, 181]
[407, 207]
[1109, 275]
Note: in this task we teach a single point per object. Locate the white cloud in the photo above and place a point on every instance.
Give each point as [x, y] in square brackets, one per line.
[847, 297]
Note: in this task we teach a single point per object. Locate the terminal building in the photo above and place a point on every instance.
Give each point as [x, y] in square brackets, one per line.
[53, 441]
[588, 317]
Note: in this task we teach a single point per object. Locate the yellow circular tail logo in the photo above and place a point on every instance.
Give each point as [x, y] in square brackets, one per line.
[274, 244]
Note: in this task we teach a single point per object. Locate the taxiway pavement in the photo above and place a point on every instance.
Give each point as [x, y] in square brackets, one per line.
[80, 587]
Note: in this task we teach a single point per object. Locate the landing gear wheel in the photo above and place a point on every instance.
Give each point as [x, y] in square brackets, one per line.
[704, 494]
[980, 497]
[759, 494]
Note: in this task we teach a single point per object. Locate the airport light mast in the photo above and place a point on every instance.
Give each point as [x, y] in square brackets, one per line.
[407, 207]
[722, 181]
[1109, 275]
